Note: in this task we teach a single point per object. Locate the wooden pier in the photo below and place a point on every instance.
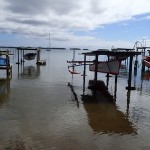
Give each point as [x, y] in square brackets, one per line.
[5, 63]
[22, 51]
[121, 52]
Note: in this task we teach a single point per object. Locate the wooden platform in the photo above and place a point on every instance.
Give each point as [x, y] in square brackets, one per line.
[41, 62]
[112, 53]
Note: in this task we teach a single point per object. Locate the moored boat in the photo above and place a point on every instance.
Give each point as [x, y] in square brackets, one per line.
[110, 67]
[147, 61]
[147, 58]
[29, 56]
[73, 71]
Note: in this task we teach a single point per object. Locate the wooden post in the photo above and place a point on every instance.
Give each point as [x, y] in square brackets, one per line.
[115, 91]
[135, 67]
[130, 75]
[84, 73]
[23, 57]
[130, 72]
[143, 66]
[18, 57]
[96, 68]
[8, 67]
[38, 55]
[108, 73]
[73, 60]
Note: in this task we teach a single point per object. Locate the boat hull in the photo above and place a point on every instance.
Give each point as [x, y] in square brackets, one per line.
[147, 63]
[73, 72]
[147, 58]
[110, 67]
[29, 56]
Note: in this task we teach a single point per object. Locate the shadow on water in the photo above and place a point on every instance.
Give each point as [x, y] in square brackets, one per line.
[75, 97]
[102, 112]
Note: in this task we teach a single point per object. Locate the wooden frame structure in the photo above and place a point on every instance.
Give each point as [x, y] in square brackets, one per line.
[7, 66]
[120, 53]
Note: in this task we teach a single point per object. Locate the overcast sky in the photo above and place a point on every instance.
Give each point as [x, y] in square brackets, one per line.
[74, 23]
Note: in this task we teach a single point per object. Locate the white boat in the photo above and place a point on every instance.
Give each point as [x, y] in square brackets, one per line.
[29, 56]
[110, 67]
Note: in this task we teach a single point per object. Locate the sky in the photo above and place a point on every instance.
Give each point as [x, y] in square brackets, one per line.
[75, 23]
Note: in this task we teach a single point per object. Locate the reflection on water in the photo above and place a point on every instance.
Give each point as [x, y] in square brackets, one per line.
[102, 112]
[4, 90]
[105, 118]
[29, 71]
[145, 75]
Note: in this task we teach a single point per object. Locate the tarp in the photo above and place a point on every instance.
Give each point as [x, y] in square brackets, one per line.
[2, 61]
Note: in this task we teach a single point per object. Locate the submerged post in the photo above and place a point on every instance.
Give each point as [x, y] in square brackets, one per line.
[115, 91]
[7, 65]
[18, 56]
[135, 66]
[84, 72]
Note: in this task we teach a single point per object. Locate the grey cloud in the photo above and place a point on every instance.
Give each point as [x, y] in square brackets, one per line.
[97, 7]
[27, 21]
[33, 7]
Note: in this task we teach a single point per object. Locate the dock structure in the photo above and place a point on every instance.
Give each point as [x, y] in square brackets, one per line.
[20, 51]
[5, 63]
[37, 51]
[129, 53]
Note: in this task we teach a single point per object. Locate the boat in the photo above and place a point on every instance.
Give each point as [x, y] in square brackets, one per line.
[73, 64]
[41, 62]
[147, 61]
[110, 67]
[29, 56]
[73, 71]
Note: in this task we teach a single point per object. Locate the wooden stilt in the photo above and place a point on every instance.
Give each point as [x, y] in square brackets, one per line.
[115, 91]
[96, 67]
[130, 75]
[18, 57]
[38, 55]
[84, 74]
